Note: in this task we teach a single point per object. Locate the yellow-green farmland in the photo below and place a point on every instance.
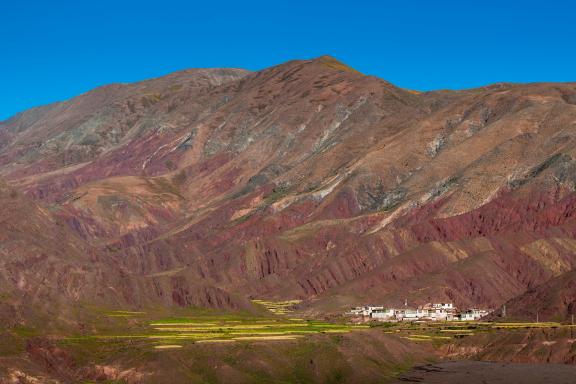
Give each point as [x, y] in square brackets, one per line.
[442, 332]
[212, 327]
[278, 307]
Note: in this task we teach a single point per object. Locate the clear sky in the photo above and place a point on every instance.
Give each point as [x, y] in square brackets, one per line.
[55, 49]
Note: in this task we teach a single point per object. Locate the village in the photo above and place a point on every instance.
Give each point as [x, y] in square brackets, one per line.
[427, 312]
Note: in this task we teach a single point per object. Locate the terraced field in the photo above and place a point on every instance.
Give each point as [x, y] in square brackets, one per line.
[278, 323]
[220, 329]
[278, 307]
[443, 332]
[211, 327]
[208, 346]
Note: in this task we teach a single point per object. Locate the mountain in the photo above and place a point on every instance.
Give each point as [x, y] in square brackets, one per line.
[306, 180]
[553, 300]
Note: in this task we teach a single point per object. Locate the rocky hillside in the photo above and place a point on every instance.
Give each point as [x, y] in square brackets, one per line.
[306, 180]
[554, 300]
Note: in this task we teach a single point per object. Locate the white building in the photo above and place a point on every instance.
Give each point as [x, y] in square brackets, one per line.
[473, 314]
[440, 311]
[365, 311]
[441, 314]
[384, 314]
[430, 311]
[443, 306]
[409, 314]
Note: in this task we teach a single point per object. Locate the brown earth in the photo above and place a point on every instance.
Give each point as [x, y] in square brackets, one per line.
[476, 372]
[368, 357]
[306, 180]
[554, 300]
[548, 345]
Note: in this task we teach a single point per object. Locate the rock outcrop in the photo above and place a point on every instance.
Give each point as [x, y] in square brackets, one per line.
[305, 180]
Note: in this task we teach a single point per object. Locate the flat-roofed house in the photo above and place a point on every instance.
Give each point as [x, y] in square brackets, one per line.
[365, 310]
[409, 314]
[384, 314]
[473, 314]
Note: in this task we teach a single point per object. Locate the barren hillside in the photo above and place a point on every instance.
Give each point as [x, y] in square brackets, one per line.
[306, 180]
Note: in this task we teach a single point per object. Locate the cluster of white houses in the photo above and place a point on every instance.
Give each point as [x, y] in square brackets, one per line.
[428, 312]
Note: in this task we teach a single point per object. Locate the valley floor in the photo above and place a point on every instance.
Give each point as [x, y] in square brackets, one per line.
[279, 346]
[481, 372]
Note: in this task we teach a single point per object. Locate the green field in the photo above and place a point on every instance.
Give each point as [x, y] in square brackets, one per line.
[275, 324]
[270, 342]
[278, 307]
[443, 332]
[212, 327]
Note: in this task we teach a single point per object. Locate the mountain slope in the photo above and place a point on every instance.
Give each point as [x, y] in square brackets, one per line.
[555, 299]
[309, 180]
[43, 264]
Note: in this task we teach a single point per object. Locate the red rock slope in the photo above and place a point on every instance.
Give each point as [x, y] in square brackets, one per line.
[309, 180]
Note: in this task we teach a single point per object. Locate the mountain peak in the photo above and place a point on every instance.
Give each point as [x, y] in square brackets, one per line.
[332, 62]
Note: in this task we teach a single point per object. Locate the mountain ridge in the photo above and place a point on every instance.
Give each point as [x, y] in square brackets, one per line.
[308, 180]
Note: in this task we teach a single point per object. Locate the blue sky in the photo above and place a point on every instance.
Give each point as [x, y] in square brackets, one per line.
[53, 50]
